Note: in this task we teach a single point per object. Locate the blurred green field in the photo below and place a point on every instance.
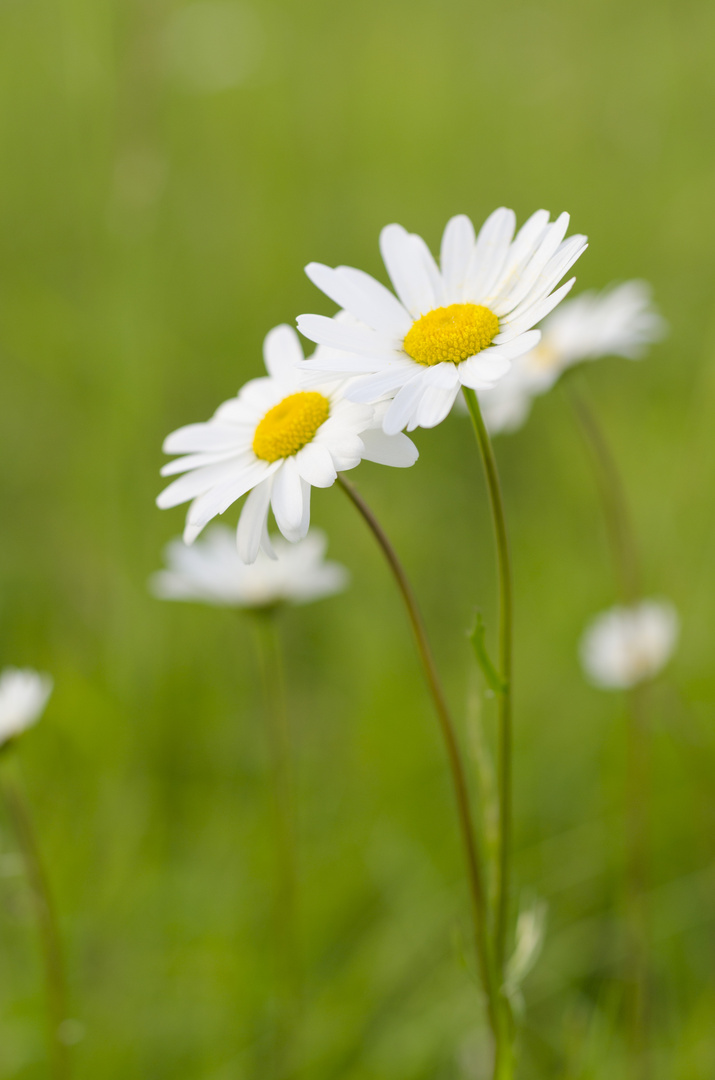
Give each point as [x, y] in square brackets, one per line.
[160, 191]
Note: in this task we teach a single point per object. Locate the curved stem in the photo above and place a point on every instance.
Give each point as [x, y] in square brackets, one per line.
[55, 982]
[279, 740]
[621, 538]
[474, 865]
[504, 767]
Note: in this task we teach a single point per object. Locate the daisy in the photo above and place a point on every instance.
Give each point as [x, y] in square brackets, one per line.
[625, 646]
[23, 696]
[276, 440]
[621, 320]
[460, 324]
[212, 572]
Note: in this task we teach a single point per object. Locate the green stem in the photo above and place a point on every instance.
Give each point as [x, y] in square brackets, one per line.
[474, 864]
[625, 558]
[50, 940]
[624, 551]
[504, 1057]
[279, 740]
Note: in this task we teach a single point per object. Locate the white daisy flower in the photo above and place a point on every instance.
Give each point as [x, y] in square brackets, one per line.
[212, 572]
[620, 320]
[625, 646]
[460, 324]
[276, 440]
[23, 696]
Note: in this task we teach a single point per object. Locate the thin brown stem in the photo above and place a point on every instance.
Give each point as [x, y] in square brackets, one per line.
[50, 940]
[474, 864]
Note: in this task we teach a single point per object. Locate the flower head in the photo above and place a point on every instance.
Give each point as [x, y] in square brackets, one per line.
[628, 645]
[276, 440]
[621, 320]
[459, 324]
[23, 696]
[212, 572]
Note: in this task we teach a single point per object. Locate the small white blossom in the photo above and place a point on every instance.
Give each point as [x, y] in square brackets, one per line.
[625, 646]
[621, 320]
[23, 696]
[212, 572]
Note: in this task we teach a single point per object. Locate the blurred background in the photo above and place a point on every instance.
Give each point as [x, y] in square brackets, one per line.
[168, 168]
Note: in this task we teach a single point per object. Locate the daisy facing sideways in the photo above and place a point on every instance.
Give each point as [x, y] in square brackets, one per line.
[212, 572]
[625, 646]
[276, 439]
[459, 324]
[621, 320]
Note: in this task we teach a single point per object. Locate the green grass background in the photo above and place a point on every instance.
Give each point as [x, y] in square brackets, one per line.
[151, 232]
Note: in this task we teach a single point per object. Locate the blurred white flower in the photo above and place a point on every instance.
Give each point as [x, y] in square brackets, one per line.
[276, 440]
[460, 324]
[627, 645]
[621, 320]
[23, 696]
[212, 572]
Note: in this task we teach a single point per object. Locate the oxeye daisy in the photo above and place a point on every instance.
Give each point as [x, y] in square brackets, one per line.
[625, 646]
[620, 320]
[212, 572]
[23, 696]
[459, 324]
[276, 439]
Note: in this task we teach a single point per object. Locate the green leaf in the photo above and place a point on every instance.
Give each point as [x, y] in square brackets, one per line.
[494, 679]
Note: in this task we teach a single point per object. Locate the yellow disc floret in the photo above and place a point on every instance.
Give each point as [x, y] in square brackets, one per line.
[451, 333]
[290, 425]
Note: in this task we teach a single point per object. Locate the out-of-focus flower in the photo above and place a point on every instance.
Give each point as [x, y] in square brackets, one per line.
[625, 646]
[212, 572]
[621, 320]
[276, 440]
[460, 324]
[23, 696]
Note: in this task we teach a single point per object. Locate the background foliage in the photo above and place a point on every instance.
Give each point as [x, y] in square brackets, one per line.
[166, 174]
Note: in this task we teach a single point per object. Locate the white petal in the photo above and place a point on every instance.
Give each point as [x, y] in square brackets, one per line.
[220, 497]
[282, 352]
[395, 450]
[527, 279]
[363, 297]
[198, 461]
[315, 465]
[490, 251]
[287, 499]
[434, 406]
[514, 345]
[525, 243]
[351, 339]
[198, 437]
[403, 407]
[197, 482]
[370, 388]
[305, 520]
[482, 371]
[253, 521]
[537, 311]
[404, 260]
[456, 253]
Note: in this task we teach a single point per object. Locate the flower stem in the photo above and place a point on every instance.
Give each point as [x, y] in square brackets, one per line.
[624, 554]
[621, 538]
[55, 982]
[474, 863]
[504, 767]
[279, 740]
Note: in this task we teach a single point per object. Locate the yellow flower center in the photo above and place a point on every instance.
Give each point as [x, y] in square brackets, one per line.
[290, 425]
[451, 333]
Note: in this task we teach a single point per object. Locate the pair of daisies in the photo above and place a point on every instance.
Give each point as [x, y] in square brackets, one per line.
[385, 362]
